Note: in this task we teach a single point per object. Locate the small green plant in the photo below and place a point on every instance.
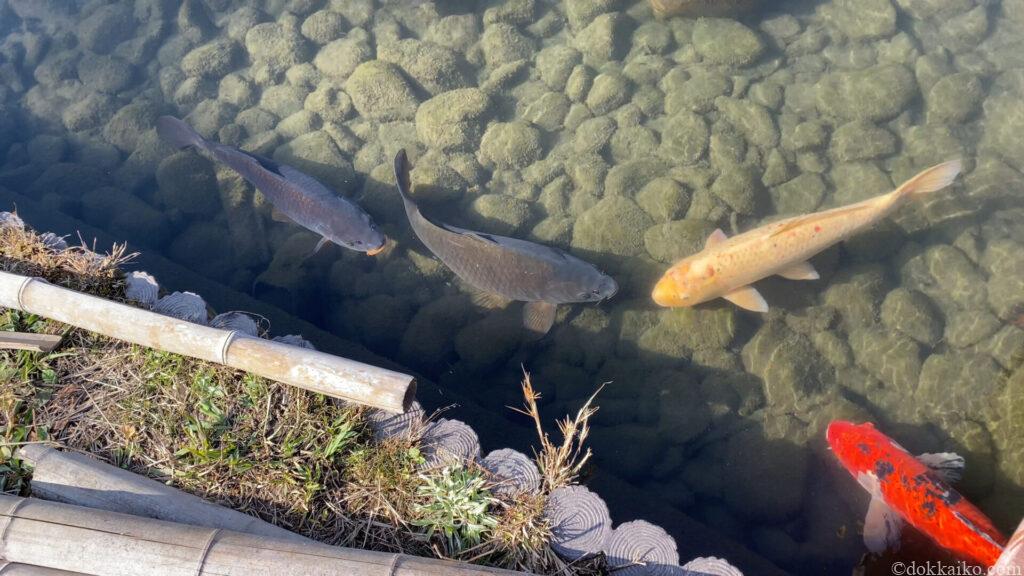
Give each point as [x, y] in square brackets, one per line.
[455, 503]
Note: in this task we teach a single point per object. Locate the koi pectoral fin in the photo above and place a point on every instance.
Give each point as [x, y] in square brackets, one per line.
[278, 216]
[747, 298]
[882, 526]
[948, 465]
[800, 271]
[538, 317]
[323, 242]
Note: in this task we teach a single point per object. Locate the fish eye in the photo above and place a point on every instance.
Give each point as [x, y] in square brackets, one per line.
[358, 242]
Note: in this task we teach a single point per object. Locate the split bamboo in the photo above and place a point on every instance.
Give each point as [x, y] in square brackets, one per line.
[301, 367]
[8, 569]
[1011, 561]
[100, 543]
[77, 479]
[28, 341]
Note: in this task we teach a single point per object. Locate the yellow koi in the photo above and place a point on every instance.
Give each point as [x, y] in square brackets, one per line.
[727, 267]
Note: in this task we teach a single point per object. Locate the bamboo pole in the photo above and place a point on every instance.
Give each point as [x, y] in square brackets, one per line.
[301, 367]
[9, 569]
[28, 341]
[1011, 561]
[100, 543]
[77, 479]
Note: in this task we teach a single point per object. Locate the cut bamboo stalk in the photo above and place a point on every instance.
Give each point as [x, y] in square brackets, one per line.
[1011, 561]
[29, 341]
[301, 367]
[10, 569]
[66, 537]
[77, 479]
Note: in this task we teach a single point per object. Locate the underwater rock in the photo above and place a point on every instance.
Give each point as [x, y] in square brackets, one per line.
[187, 182]
[807, 135]
[861, 140]
[490, 341]
[579, 520]
[408, 424]
[379, 92]
[330, 103]
[498, 213]
[771, 487]
[548, 112]
[276, 45]
[800, 195]
[503, 44]
[434, 182]
[211, 60]
[608, 92]
[948, 277]
[108, 74]
[740, 189]
[728, 42]
[184, 306]
[509, 145]
[451, 120]
[429, 338]
[891, 357]
[457, 31]
[142, 288]
[106, 27]
[671, 241]
[577, 86]
[913, 314]
[614, 225]
[514, 472]
[857, 292]
[555, 63]
[633, 143]
[664, 199]
[639, 548]
[861, 19]
[680, 331]
[856, 181]
[338, 59]
[202, 248]
[876, 93]
[316, 154]
[580, 13]
[968, 327]
[240, 322]
[606, 38]
[788, 364]
[961, 383]
[593, 134]
[448, 443]
[751, 119]
[684, 138]
[434, 68]
[954, 98]
[323, 26]
[631, 449]
[126, 126]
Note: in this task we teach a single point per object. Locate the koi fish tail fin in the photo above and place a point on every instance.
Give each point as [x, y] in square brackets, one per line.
[931, 180]
[179, 134]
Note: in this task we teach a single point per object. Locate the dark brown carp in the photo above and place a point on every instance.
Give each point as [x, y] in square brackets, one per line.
[294, 194]
[514, 269]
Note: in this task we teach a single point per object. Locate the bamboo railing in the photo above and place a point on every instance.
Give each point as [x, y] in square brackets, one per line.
[301, 367]
[100, 543]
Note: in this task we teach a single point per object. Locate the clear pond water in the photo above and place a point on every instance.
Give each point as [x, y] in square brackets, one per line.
[626, 139]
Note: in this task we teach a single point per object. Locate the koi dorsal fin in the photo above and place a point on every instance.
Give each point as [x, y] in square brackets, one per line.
[948, 465]
[716, 238]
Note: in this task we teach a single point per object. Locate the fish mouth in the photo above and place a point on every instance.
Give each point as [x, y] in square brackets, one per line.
[378, 249]
[664, 293]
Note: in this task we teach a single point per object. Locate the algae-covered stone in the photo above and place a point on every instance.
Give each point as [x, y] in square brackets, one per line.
[126, 126]
[283, 100]
[429, 337]
[605, 38]
[856, 181]
[106, 27]
[771, 487]
[804, 136]
[555, 63]
[278, 45]
[800, 195]
[329, 102]
[698, 93]
[609, 91]
[316, 154]
[954, 98]
[684, 138]
[380, 92]
[634, 142]
[1004, 123]
[615, 225]
[673, 241]
[968, 327]
[876, 93]
[891, 357]
[664, 199]
[750, 118]
[963, 383]
[450, 120]
[857, 292]
[947, 276]
[211, 60]
[510, 145]
[788, 364]
[434, 181]
[188, 183]
[592, 135]
[577, 86]
[339, 58]
[548, 112]
[88, 113]
[201, 247]
[125, 216]
[913, 314]
[108, 74]
[580, 13]
[861, 140]
[323, 26]
[434, 68]
[503, 43]
[739, 189]
[499, 213]
[729, 42]
[681, 331]
[861, 19]
[628, 178]
[489, 342]
[236, 90]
